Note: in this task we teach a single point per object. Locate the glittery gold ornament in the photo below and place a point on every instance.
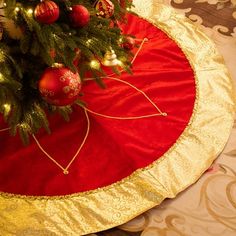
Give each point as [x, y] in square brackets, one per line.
[110, 58]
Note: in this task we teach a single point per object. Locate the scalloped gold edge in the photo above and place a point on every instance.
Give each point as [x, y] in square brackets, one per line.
[115, 204]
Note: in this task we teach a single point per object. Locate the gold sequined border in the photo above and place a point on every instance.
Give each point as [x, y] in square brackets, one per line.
[182, 165]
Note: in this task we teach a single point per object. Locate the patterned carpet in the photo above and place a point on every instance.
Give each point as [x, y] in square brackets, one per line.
[209, 206]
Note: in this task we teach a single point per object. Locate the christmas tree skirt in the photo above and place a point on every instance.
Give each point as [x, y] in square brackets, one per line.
[144, 138]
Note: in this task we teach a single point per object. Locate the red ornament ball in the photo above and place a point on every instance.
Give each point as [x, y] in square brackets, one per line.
[105, 8]
[129, 43]
[79, 16]
[59, 86]
[46, 12]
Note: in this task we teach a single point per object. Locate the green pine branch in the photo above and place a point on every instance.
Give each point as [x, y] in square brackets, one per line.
[39, 46]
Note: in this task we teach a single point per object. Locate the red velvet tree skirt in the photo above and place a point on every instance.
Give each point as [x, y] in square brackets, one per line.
[125, 165]
[114, 148]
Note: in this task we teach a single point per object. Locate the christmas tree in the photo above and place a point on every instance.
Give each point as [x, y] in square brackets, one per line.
[46, 50]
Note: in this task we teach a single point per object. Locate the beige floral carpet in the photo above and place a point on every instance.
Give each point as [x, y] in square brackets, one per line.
[209, 206]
